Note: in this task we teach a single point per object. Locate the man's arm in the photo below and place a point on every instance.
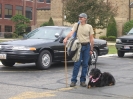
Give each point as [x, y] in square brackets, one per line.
[68, 36]
[92, 41]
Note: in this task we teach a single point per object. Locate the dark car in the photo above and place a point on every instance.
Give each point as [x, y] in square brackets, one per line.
[43, 46]
[124, 44]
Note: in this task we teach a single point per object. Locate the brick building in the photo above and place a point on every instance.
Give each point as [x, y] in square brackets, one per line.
[9, 8]
[125, 13]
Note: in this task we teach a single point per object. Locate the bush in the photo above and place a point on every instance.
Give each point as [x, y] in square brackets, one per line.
[103, 37]
[8, 35]
[111, 29]
[127, 27]
[45, 24]
[111, 38]
[14, 35]
[49, 23]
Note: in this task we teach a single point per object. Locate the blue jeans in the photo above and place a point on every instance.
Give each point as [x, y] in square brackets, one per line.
[84, 58]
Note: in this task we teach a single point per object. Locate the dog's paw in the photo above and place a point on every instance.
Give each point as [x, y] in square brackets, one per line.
[88, 86]
[111, 84]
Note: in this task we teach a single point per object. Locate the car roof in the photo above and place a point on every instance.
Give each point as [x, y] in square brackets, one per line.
[58, 26]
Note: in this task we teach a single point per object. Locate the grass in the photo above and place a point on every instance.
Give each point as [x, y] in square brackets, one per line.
[112, 49]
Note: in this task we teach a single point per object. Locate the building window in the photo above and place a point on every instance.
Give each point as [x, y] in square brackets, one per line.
[29, 12]
[8, 28]
[40, 0]
[48, 1]
[19, 10]
[0, 10]
[8, 11]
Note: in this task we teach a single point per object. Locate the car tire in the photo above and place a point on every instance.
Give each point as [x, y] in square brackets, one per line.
[7, 63]
[94, 58]
[44, 60]
[120, 53]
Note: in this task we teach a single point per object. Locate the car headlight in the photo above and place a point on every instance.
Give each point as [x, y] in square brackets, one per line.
[118, 41]
[23, 48]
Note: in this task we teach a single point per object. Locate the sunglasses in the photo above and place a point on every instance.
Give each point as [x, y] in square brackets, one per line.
[80, 17]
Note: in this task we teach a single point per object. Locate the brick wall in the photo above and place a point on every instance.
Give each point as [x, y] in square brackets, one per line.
[56, 14]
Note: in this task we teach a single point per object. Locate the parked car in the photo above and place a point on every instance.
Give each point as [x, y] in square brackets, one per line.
[43, 46]
[124, 44]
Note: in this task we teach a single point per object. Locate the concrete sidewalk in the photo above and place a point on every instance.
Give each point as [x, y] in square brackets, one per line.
[110, 43]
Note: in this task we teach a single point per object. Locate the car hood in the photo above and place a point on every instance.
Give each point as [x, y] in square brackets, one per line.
[126, 37]
[27, 42]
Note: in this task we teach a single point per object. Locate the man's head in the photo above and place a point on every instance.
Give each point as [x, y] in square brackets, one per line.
[83, 17]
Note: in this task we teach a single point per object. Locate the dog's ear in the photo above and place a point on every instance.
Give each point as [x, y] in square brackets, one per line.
[99, 70]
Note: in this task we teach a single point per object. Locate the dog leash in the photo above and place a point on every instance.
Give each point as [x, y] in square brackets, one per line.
[92, 63]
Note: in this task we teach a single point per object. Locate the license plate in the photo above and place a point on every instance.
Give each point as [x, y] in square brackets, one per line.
[2, 56]
[126, 47]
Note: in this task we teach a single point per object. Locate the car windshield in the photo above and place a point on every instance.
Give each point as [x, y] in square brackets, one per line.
[44, 32]
[130, 32]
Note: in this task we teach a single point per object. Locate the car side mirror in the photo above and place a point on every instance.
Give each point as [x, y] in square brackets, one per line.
[56, 35]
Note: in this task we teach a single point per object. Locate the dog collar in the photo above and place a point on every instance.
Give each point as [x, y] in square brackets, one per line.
[95, 80]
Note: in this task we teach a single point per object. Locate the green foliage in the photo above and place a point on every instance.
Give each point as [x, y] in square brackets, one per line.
[21, 23]
[14, 35]
[127, 27]
[98, 11]
[49, 23]
[45, 24]
[111, 29]
[111, 38]
[7, 35]
[103, 37]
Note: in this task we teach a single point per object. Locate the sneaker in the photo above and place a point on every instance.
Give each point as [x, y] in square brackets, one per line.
[72, 84]
[82, 84]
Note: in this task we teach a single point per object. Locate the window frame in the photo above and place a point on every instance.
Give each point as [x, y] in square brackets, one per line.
[8, 28]
[48, 2]
[8, 11]
[19, 10]
[28, 12]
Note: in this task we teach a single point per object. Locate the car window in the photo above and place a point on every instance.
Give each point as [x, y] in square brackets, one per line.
[44, 32]
[130, 32]
[66, 31]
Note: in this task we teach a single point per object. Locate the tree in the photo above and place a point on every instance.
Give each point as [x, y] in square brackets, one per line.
[127, 27]
[51, 22]
[111, 29]
[98, 11]
[21, 23]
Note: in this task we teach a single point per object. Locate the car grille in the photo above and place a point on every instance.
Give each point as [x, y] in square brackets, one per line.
[127, 41]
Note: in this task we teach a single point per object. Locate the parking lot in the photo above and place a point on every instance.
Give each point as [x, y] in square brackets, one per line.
[24, 81]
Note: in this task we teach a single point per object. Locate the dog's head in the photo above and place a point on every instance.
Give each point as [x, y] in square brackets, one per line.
[94, 73]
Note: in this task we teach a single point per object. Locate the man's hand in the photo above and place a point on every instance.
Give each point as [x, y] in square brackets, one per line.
[91, 52]
[65, 41]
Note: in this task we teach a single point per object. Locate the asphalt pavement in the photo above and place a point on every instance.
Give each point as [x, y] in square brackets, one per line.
[26, 83]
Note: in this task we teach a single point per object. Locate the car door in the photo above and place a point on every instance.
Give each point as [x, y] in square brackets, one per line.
[59, 51]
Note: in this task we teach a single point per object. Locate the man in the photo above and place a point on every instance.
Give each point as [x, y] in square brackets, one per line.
[85, 36]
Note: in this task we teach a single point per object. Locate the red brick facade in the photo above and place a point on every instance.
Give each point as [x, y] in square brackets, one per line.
[24, 3]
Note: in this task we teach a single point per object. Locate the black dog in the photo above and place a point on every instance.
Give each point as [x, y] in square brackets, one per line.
[98, 79]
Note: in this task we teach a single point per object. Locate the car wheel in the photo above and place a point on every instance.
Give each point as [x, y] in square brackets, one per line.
[44, 61]
[7, 63]
[94, 57]
[120, 53]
